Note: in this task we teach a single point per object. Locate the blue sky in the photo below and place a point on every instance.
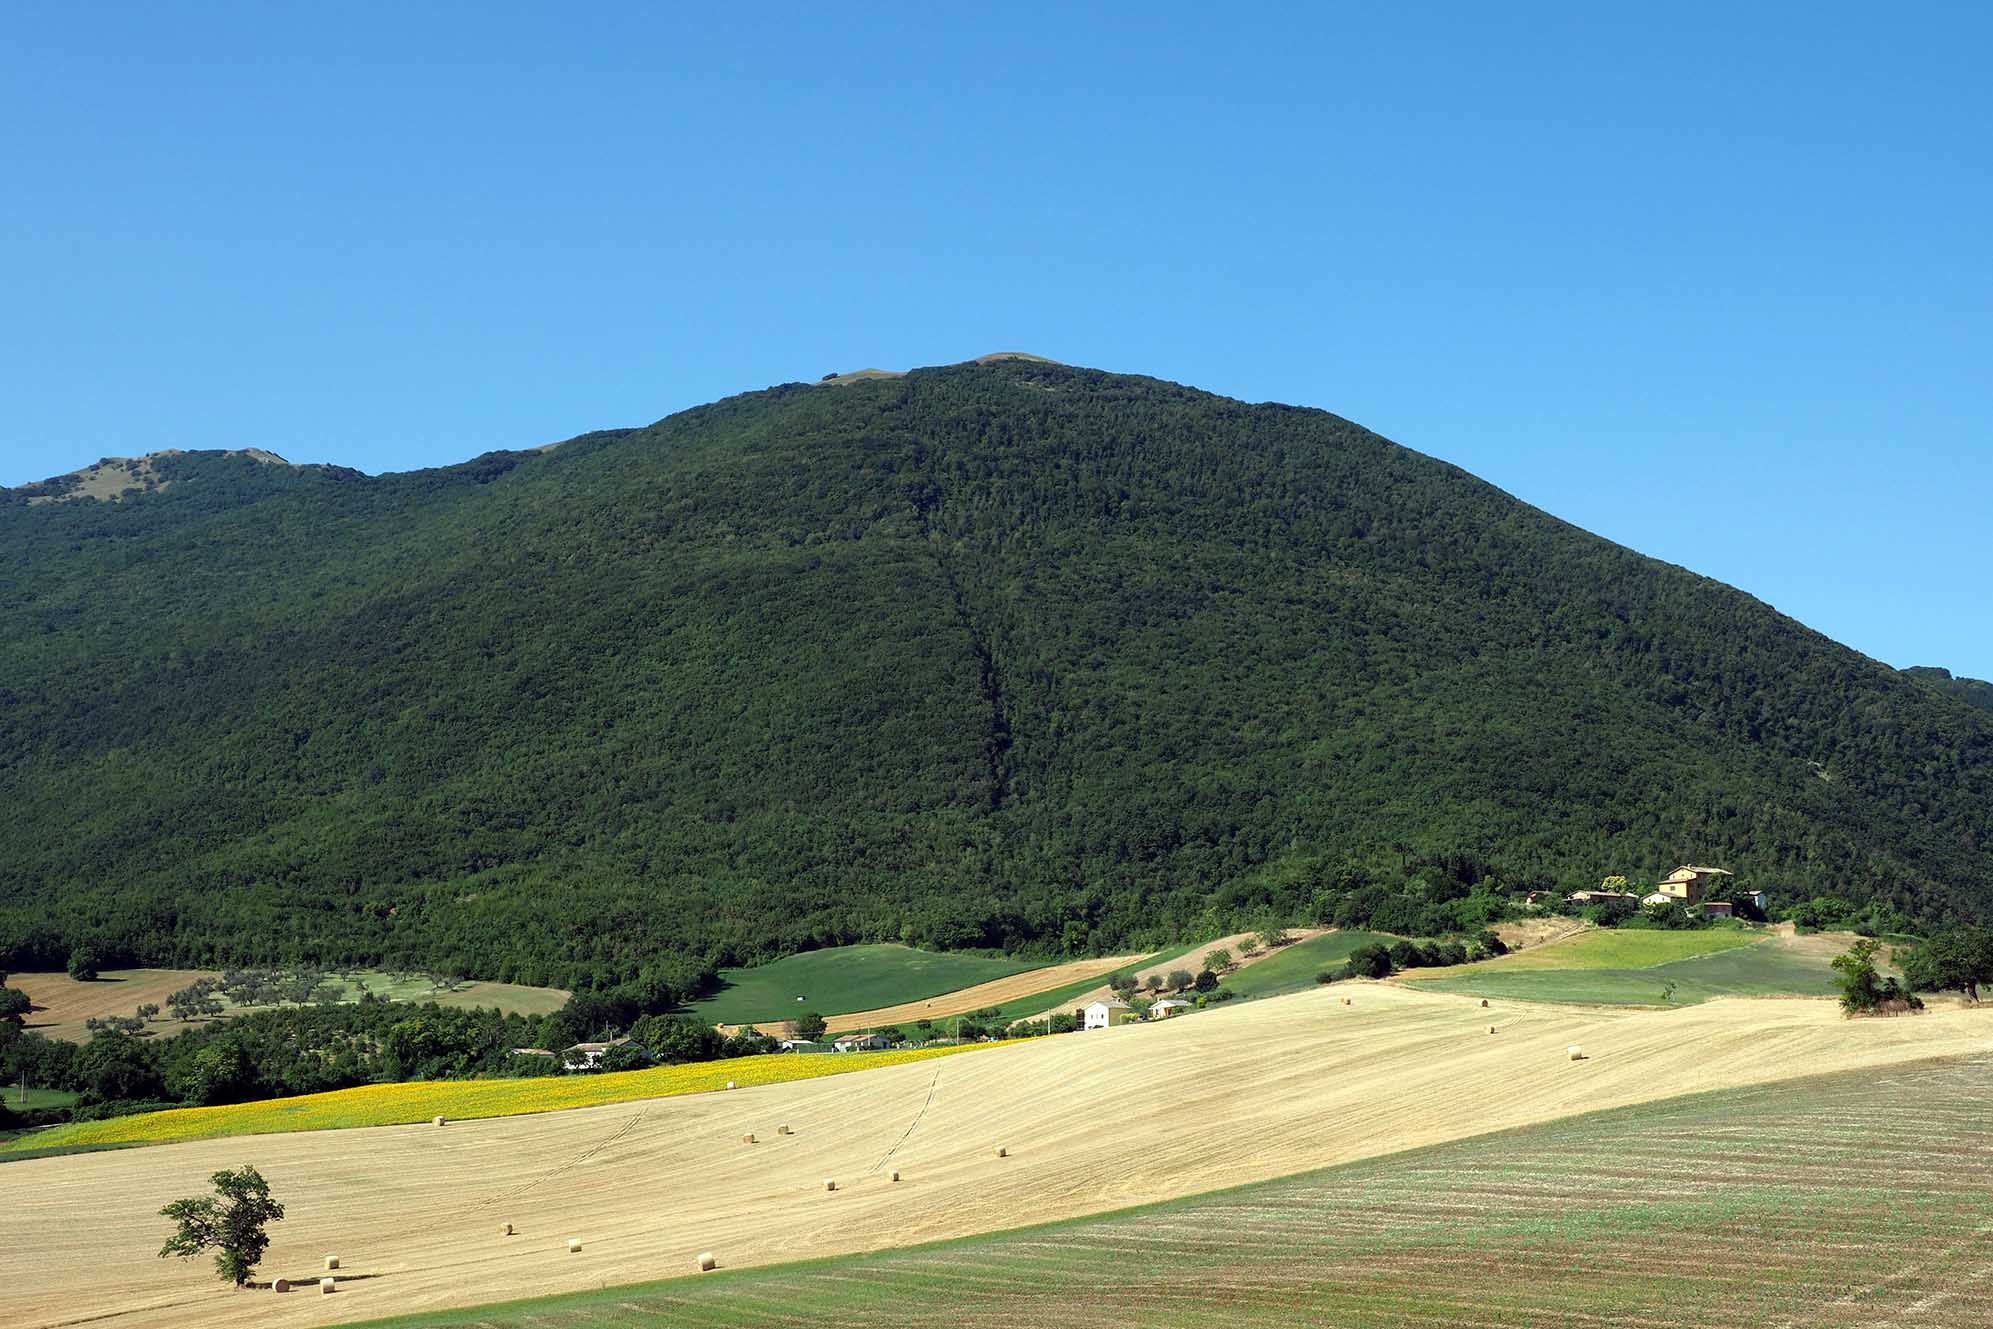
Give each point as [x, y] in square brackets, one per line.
[1715, 285]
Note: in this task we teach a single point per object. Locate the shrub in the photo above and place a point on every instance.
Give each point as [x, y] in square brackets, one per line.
[1372, 961]
[1206, 980]
[83, 965]
[1181, 979]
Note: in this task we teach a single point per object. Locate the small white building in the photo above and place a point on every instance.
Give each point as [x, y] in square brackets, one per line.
[861, 1043]
[1167, 1007]
[588, 1056]
[801, 1045]
[1107, 1014]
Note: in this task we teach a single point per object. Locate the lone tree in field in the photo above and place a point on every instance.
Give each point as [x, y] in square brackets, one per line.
[230, 1223]
[1860, 990]
[1959, 959]
[83, 965]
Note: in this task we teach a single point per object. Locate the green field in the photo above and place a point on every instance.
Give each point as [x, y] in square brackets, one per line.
[35, 1098]
[842, 979]
[1778, 1205]
[1294, 967]
[1633, 969]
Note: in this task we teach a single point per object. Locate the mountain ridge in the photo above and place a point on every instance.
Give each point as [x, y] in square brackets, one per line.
[1013, 655]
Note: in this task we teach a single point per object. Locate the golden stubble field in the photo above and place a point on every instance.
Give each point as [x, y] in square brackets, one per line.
[1092, 1121]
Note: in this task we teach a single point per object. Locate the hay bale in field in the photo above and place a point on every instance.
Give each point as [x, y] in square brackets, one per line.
[1484, 1003]
[748, 1138]
[1577, 1053]
[281, 1285]
[1491, 1029]
[1002, 1152]
[783, 1129]
[574, 1245]
[706, 1261]
[439, 1121]
[829, 1185]
[325, 1286]
[896, 1174]
[730, 1084]
[505, 1229]
[332, 1262]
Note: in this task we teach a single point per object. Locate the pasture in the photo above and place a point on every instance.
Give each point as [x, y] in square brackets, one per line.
[1255, 1091]
[1293, 967]
[1796, 1215]
[1605, 968]
[62, 1006]
[844, 979]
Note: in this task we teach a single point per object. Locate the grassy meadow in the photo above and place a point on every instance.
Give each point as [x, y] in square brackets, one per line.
[847, 978]
[1293, 968]
[1634, 968]
[1775, 1205]
[412, 1102]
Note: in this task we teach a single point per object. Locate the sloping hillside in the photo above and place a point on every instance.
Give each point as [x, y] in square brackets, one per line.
[1012, 654]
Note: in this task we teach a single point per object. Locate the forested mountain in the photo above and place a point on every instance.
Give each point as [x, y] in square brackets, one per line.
[1008, 654]
[1972, 691]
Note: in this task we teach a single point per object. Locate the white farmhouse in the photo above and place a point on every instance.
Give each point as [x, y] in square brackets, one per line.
[1107, 1014]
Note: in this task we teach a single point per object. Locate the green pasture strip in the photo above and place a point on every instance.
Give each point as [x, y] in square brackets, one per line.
[1762, 969]
[1293, 968]
[1773, 1205]
[843, 979]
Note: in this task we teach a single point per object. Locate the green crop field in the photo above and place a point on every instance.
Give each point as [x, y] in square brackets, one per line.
[1843, 1200]
[847, 978]
[34, 1098]
[1294, 967]
[1621, 948]
[1635, 968]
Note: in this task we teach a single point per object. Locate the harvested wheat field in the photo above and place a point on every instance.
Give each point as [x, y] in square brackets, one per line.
[996, 992]
[1258, 1090]
[61, 1004]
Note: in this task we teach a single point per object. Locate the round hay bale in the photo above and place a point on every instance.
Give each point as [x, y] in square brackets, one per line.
[505, 1229]
[896, 1174]
[325, 1286]
[829, 1185]
[574, 1245]
[1491, 1029]
[1484, 1003]
[706, 1261]
[748, 1138]
[783, 1129]
[332, 1262]
[1577, 1053]
[730, 1084]
[1002, 1152]
[439, 1121]
[281, 1285]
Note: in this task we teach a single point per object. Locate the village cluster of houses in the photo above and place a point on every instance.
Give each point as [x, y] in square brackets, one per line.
[1686, 886]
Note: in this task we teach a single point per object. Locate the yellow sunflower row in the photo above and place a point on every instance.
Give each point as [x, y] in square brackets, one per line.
[405, 1104]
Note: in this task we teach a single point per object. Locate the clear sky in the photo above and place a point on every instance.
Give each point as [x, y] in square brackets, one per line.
[1713, 281]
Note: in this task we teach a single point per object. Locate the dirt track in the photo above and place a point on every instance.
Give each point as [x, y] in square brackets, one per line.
[1259, 1089]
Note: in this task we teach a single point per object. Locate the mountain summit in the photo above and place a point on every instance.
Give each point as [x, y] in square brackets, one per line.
[1005, 653]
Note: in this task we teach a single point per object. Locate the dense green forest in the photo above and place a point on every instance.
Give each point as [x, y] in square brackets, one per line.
[1009, 655]
[1972, 691]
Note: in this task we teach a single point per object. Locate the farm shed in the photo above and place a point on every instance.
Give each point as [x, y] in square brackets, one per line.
[861, 1043]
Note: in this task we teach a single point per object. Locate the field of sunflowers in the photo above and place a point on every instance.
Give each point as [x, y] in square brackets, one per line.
[406, 1104]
